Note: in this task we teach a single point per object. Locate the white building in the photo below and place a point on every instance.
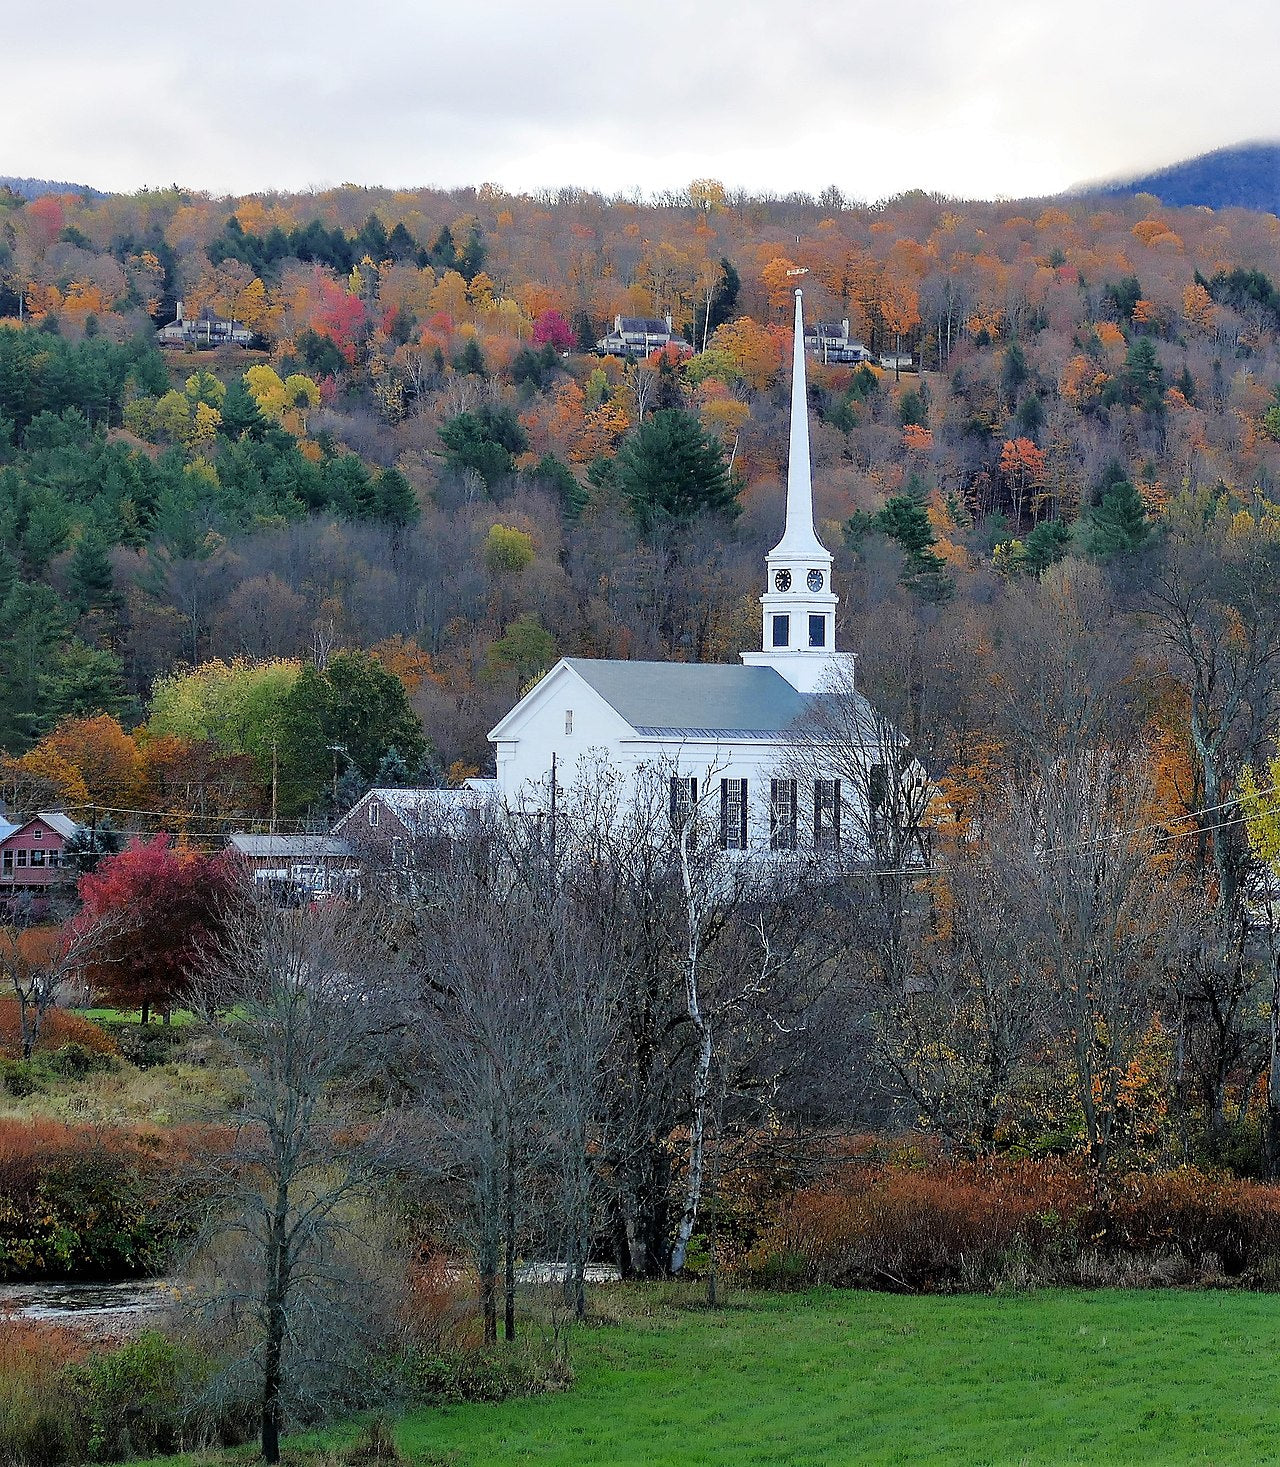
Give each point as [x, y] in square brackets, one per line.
[720, 725]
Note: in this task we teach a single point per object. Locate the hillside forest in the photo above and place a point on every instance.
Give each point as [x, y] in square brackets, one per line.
[420, 466]
[1036, 1038]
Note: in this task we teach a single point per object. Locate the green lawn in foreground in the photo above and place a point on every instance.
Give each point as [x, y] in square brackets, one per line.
[831, 1378]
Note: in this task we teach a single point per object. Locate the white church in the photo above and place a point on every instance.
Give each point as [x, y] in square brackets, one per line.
[725, 736]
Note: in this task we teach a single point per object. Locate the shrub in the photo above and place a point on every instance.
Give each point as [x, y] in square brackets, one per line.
[137, 1399]
[921, 1228]
[82, 1202]
[59, 1028]
[148, 1045]
[1202, 1216]
[964, 1225]
[63, 1402]
[36, 1429]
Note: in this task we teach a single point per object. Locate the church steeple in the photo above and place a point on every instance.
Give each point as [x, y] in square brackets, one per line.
[798, 604]
[799, 538]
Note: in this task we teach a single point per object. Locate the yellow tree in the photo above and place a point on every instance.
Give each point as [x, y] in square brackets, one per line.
[1260, 806]
[899, 309]
[779, 283]
[753, 350]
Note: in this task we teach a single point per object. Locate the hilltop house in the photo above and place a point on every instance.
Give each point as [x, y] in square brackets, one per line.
[638, 336]
[829, 341]
[205, 330]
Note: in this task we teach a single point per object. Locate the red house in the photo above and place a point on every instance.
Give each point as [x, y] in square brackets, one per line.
[31, 854]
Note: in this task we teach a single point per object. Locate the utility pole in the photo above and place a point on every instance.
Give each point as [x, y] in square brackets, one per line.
[551, 836]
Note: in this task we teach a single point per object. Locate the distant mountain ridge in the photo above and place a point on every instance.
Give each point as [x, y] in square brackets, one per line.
[1246, 176]
[34, 188]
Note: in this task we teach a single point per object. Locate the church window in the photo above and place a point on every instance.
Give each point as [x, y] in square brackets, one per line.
[781, 630]
[684, 799]
[877, 788]
[733, 814]
[782, 814]
[373, 814]
[817, 631]
[568, 720]
[826, 814]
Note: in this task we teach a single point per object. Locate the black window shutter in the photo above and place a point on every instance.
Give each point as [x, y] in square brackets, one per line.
[742, 817]
[835, 812]
[724, 814]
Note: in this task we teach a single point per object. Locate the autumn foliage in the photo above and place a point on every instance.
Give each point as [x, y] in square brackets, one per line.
[167, 906]
[60, 1027]
[90, 1201]
[938, 1226]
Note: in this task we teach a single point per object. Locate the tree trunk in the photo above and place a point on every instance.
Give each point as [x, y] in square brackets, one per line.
[697, 1136]
[509, 1262]
[275, 1302]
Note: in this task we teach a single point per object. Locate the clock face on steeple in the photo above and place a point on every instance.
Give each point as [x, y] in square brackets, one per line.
[814, 580]
[782, 580]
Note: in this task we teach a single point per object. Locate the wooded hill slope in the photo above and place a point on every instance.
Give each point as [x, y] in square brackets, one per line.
[420, 457]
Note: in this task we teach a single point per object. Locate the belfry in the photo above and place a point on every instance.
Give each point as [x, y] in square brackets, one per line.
[799, 605]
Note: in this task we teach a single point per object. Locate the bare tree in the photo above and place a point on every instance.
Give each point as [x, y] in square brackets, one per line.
[958, 1040]
[1214, 616]
[1099, 909]
[37, 959]
[303, 1003]
[480, 1061]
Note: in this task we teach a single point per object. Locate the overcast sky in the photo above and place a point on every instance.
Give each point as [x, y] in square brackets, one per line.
[977, 98]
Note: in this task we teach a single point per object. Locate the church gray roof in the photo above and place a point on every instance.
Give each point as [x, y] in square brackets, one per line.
[696, 699]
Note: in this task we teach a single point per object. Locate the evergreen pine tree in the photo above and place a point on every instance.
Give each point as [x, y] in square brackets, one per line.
[1044, 546]
[90, 576]
[1119, 523]
[670, 469]
[905, 519]
[394, 499]
[392, 772]
[470, 360]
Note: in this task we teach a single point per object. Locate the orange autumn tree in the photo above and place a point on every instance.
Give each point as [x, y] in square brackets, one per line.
[104, 755]
[780, 281]
[42, 779]
[1022, 466]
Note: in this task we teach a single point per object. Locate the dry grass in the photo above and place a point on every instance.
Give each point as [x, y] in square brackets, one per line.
[163, 1095]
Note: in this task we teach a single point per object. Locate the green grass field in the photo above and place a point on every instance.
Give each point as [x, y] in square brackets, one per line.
[831, 1378]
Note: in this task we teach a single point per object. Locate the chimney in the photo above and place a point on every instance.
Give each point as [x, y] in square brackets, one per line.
[180, 308]
[668, 323]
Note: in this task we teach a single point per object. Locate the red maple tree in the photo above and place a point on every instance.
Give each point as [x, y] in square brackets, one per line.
[174, 903]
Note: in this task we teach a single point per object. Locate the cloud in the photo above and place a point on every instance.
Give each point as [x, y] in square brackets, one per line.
[976, 97]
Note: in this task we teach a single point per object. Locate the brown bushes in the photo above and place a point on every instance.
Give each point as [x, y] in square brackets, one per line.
[970, 1225]
[59, 1028]
[89, 1202]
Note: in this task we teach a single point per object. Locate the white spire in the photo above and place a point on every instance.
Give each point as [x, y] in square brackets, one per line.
[799, 538]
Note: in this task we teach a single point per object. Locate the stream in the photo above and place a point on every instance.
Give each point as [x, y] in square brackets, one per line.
[96, 1304]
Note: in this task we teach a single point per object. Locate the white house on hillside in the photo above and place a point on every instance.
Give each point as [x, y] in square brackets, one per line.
[724, 734]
